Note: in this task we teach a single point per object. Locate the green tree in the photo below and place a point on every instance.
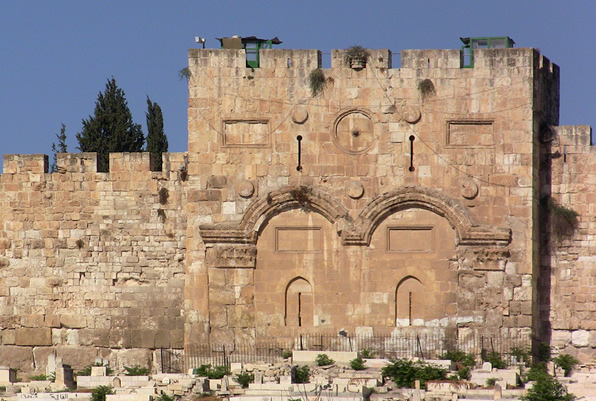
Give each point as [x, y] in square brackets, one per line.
[111, 128]
[157, 141]
[60, 148]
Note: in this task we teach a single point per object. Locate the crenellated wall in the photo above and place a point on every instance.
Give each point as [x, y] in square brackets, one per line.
[395, 199]
[92, 263]
[571, 261]
[473, 147]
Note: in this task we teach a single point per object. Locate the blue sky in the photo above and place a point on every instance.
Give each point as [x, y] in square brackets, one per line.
[56, 56]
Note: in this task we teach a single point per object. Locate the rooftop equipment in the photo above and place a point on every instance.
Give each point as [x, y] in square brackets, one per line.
[251, 44]
[471, 44]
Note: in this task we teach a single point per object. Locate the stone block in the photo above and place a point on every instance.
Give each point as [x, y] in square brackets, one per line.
[33, 336]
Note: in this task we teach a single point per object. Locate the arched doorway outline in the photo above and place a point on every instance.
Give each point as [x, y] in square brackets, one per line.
[299, 307]
[400, 284]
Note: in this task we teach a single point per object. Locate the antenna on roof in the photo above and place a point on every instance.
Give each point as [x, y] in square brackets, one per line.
[200, 40]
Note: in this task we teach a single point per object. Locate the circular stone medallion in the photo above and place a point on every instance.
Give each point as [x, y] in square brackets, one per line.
[469, 189]
[355, 189]
[411, 114]
[246, 189]
[353, 132]
[299, 114]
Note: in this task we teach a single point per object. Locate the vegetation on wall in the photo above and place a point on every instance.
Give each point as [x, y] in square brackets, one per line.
[163, 195]
[316, 81]
[564, 221]
[356, 54]
[184, 74]
[301, 195]
[426, 88]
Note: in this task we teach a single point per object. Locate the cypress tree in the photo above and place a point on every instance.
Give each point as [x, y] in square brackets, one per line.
[111, 128]
[60, 148]
[157, 141]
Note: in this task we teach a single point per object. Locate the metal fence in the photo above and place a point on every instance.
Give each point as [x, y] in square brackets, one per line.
[423, 344]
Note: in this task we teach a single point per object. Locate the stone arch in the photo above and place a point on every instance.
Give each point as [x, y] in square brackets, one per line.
[379, 208]
[409, 296]
[307, 197]
[299, 303]
[275, 202]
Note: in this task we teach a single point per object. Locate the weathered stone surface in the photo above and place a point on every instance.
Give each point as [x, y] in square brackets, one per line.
[20, 358]
[33, 336]
[364, 236]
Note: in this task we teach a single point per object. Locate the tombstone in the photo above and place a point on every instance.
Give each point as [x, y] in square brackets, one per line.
[116, 382]
[416, 395]
[165, 380]
[225, 385]
[258, 377]
[285, 380]
[98, 371]
[7, 375]
[498, 392]
[454, 396]
[417, 384]
[64, 376]
[51, 366]
[487, 366]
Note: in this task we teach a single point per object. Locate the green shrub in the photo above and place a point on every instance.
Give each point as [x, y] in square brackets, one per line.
[547, 388]
[211, 372]
[324, 360]
[357, 364]
[51, 377]
[245, 379]
[367, 353]
[136, 370]
[2, 389]
[535, 372]
[495, 359]
[522, 355]
[301, 374]
[86, 371]
[491, 381]
[465, 373]
[543, 352]
[566, 362]
[460, 357]
[404, 373]
[99, 393]
[286, 353]
[165, 397]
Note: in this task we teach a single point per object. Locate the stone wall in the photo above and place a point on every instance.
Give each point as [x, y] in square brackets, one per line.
[395, 197]
[91, 263]
[571, 261]
[372, 146]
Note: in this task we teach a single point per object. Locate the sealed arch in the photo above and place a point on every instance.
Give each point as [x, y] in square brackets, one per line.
[299, 303]
[262, 210]
[409, 302]
[467, 233]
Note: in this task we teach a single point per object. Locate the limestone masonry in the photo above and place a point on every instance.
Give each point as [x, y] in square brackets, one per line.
[425, 197]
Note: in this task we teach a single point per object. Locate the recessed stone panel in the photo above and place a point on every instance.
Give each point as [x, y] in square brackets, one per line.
[298, 239]
[251, 133]
[410, 239]
[477, 133]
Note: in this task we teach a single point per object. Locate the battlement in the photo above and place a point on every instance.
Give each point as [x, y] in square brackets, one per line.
[379, 58]
[86, 162]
